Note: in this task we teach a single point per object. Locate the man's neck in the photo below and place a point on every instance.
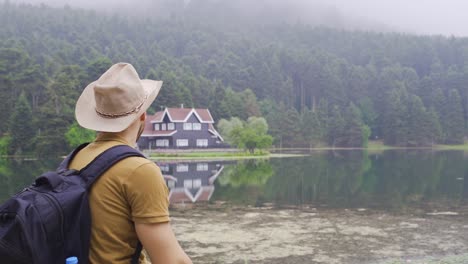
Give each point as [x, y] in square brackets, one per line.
[129, 134]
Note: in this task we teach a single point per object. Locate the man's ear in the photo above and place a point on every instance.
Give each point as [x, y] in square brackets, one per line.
[143, 117]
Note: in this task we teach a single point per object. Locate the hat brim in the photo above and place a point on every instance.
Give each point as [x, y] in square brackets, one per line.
[87, 117]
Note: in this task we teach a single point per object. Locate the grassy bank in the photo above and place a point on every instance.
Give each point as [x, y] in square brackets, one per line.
[208, 155]
[373, 146]
[379, 145]
[452, 147]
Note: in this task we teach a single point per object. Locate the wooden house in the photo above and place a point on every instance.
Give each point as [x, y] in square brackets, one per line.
[180, 128]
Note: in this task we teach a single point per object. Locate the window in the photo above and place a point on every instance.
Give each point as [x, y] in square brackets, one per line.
[162, 143]
[196, 126]
[171, 184]
[188, 184]
[196, 183]
[187, 126]
[182, 167]
[170, 126]
[192, 184]
[163, 126]
[156, 127]
[202, 142]
[182, 142]
[164, 168]
[202, 166]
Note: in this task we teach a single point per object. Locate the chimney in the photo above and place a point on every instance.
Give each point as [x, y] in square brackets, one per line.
[181, 105]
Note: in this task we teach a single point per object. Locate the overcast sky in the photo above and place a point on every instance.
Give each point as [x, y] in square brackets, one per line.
[447, 17]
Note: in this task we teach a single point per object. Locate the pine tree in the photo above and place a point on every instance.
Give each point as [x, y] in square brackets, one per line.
[96, 68]
[21, 128]
[353, 127]
[323, 118]
[455, 125]
[336, 126]
[420, 127]
[311, 128]
[291, 128]
[436, 129]
[218, 106]
[394, 128]
[250, 103]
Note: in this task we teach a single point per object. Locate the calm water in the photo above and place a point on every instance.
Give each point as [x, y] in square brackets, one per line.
[392, 180]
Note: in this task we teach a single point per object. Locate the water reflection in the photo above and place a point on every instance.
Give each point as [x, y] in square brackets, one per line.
[190, 182]
[392, 180]
[15, 174]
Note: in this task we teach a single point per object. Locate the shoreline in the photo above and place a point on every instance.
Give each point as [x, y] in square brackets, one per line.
[318, 235]
[235, 154]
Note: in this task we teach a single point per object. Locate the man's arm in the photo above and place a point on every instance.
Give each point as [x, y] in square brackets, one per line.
[161, 244]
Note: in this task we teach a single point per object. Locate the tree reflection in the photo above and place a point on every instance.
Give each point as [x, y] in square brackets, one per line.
[243, 182]
[394, 179]
[247, 173]
[15, 174]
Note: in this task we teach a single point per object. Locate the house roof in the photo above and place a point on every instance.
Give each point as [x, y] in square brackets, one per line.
[213, 131]
[176, 115]
[180, 195]
[150, 132]
[182, 115]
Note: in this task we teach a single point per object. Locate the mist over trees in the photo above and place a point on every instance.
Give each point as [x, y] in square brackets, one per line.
[313, 85]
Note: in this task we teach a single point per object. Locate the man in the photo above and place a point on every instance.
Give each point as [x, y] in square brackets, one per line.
[129, 202]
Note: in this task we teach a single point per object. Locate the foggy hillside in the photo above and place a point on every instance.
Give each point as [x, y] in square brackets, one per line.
[240, 61]
[239, 12]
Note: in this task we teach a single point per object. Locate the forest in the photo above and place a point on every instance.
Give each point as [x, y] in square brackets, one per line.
[315, 85]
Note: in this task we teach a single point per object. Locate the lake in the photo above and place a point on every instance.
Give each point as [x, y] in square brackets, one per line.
[323, 207]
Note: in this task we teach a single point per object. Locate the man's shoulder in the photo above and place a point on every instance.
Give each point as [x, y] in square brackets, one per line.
[137, 165]
[136, 162]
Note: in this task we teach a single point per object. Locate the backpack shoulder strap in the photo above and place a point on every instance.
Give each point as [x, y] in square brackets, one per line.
[64, 164]
[101, 164]
[105, 160]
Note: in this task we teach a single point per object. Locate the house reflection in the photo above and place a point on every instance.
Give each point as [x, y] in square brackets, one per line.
[190, 182]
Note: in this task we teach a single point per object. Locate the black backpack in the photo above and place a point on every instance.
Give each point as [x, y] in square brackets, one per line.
[50, 220]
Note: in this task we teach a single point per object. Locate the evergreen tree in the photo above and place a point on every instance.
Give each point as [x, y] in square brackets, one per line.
[394, 128]
[336, 126]
[368, 113]
[312, 131]
[250, 103]
[96, 67]
[21, 128]
[455, 125]
[218, 106]
[353, 127]
[291, 128]
[323, 118]
[420, 126]
[235, 104]
[436, 129]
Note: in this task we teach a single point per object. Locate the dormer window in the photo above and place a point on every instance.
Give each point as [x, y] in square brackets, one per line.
[170, 126]
[187, 126]
[156, 127]
[196, 126]
[163, 126]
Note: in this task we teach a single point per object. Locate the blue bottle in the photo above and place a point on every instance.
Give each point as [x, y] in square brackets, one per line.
[71, 260]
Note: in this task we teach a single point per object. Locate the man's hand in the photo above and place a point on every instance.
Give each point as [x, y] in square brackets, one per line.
[161, 244]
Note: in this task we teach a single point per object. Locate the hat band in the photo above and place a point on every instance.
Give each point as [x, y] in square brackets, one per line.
[134, 110]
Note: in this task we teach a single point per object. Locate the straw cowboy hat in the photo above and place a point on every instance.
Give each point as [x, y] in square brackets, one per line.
[116, 99]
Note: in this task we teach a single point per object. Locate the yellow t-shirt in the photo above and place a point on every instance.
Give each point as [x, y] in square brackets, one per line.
[132, 191]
